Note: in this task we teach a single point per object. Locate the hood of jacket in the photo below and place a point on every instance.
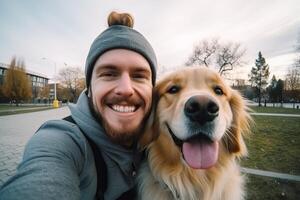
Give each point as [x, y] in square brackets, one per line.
[84, 118]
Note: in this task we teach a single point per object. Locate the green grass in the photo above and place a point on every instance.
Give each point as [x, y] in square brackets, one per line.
[265, 188]
[273, 146]
[21, 106]
[12, 109]
[275, 110]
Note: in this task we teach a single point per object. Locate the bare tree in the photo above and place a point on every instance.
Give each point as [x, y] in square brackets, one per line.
[225, 56]
[297, 60]
[292, 82]
[44, 93]
[203, 53]
[293, 78]
[229, 56]
[72, 78]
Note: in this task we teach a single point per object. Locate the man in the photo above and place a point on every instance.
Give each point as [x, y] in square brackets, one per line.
[61, 160]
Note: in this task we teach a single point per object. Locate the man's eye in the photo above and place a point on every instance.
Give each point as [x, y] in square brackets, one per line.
[107, 74]
[140, 76]
[173, 89]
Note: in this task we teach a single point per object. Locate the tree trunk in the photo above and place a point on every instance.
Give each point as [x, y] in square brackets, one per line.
[259, 98]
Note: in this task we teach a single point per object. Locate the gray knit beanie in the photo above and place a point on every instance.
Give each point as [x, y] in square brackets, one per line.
[120, 36]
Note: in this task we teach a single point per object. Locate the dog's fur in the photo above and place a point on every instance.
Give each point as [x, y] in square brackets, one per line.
[166, 174]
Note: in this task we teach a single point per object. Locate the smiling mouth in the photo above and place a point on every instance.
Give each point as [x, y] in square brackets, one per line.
[179, 142]
[176, 140]
[123, 108]
[198, 151]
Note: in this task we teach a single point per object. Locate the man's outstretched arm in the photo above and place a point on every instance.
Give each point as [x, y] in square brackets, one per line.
[50, 168]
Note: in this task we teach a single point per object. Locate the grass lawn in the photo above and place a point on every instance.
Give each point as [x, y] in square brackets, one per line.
[274, 146]
[13, 109]
[275, 110]
[265, 188]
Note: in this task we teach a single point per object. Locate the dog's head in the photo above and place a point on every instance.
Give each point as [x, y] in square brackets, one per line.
[198, 117]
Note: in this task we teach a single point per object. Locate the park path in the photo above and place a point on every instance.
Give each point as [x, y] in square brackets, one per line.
[16, 130]
[276, 114]
[258, 172]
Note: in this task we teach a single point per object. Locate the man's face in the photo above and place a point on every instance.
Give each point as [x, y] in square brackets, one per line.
[121, 93]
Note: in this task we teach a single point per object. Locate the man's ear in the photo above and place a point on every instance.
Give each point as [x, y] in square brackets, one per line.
[150, 131]
[89, 92]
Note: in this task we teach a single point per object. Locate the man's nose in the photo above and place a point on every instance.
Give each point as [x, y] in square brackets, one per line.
[124, 87]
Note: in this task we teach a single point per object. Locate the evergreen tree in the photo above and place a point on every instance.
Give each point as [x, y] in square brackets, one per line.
[16, 86]
[259, 76]
[279, 90]
[272, 89]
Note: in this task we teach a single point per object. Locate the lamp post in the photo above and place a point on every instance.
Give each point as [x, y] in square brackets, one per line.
[55, 101]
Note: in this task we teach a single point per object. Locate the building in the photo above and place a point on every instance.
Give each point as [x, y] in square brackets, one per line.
[38, 81]
[240, 82]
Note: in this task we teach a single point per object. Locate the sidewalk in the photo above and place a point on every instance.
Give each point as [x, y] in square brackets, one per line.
[276, 114]
[270, 174]
[15, 131]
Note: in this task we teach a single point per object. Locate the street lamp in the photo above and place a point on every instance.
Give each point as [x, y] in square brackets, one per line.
[55, 101]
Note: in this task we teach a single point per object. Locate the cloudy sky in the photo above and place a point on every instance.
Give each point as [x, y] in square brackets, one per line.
[62, 30]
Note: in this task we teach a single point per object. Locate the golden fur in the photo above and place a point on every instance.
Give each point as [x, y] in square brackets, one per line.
[166, 175]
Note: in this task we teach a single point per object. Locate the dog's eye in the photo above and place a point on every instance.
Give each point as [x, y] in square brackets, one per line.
[174, 89]
[218, 90]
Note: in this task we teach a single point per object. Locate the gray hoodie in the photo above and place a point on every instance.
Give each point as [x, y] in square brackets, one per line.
[58, 162]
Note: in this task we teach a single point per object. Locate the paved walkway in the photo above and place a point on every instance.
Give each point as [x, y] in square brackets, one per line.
[15, 131]
[276, 114]
[270, 174]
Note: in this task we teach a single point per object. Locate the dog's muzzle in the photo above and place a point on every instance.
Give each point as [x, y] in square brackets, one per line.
[199, 150]
[201, 109]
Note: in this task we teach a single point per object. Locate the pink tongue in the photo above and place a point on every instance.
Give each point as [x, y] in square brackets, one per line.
[200, 154]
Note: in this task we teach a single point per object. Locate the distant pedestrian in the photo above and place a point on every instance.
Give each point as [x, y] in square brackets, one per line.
[265, 102]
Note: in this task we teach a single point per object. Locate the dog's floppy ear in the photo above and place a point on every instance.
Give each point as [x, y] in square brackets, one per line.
[151, 128]
[240, 125]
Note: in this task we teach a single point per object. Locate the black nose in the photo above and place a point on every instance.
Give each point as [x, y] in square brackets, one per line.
[201, 109]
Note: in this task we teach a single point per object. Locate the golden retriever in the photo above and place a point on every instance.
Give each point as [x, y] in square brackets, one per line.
[201, 122]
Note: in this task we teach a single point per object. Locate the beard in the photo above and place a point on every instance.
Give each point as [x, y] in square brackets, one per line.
[124, 138]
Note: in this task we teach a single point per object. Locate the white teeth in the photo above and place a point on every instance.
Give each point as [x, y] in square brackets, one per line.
[124, 109]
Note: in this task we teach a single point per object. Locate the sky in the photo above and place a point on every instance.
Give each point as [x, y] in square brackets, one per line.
[59, 32]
